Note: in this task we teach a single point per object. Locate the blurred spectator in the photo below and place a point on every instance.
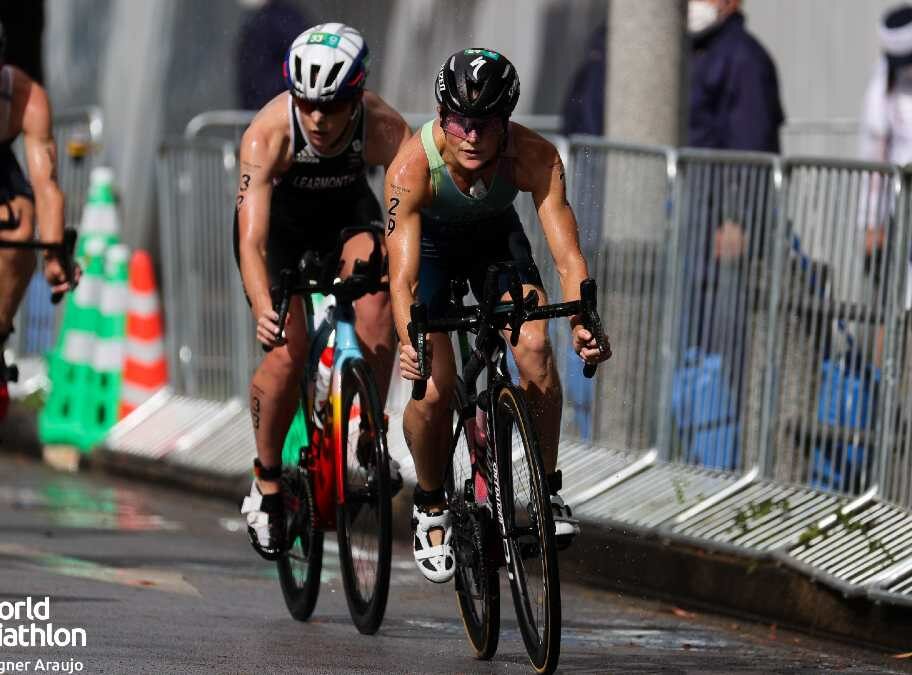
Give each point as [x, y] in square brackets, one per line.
[734, 105]
[734, 90]
[584, 107]
[24, 23]
[886, 133]
[265, 36]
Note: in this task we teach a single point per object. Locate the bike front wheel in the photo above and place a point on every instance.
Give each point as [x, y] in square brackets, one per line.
[364, 520]
[476, 580]
[299, 569]
[529, 544]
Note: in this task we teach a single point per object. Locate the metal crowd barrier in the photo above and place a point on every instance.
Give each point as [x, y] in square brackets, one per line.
[210, 337]
[826, 410]
[78, 134]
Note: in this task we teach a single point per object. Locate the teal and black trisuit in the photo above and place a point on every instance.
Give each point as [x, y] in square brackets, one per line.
[462, 235]
[317, 198]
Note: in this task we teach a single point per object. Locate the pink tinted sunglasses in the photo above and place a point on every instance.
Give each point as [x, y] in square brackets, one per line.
[462, 126]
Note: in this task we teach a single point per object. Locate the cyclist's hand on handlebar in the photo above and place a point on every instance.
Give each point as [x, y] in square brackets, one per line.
[585, 345]
[408, 361]
[56, 275]
[268, 332]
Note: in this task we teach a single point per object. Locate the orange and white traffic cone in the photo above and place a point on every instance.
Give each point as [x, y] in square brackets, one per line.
[145, 370]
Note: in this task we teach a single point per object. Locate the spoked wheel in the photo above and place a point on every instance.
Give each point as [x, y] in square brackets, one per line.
[364, 520]
[530, 544]
[477, 583]
[299, 568]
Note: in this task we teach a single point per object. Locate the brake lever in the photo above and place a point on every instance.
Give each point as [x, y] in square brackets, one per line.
[518, 315]
[418, 337]
[281, 307]
[592, 321]
[67, 247]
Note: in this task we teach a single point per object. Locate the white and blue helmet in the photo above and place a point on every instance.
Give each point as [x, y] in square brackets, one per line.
[327, 62]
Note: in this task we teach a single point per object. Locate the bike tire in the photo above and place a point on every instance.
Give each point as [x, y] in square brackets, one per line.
[364, 520]
[300, 567]
[529, 546]
[476, 580]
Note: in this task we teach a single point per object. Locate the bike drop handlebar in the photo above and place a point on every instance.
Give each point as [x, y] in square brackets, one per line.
[64, 250]
[313, 276]
[490, 315]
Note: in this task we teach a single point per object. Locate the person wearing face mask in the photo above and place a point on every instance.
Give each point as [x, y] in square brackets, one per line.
[734, 105]
[734, 89]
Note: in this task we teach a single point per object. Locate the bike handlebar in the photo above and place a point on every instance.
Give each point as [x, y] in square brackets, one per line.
[317, 276]
[64, 249]
[490, 315]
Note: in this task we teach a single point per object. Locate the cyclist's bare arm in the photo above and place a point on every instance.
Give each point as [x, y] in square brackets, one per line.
[386, 131]
[41, 159]
[407, 190]
[540, 171]
[264, 155]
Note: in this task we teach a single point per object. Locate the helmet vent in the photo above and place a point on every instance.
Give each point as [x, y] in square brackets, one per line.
[297, 65]
[314, 73]
[334, 73]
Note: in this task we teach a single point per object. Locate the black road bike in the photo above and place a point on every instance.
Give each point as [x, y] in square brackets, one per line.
[495, 481]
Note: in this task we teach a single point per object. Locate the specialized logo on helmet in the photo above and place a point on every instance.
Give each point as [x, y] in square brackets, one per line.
[477, 65]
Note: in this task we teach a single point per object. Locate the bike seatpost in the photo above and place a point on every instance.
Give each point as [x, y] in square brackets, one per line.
[417, 334]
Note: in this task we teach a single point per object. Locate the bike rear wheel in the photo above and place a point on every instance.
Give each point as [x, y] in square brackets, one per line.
[529, 528]
[364, 519]
[476, 580]
[299, 569]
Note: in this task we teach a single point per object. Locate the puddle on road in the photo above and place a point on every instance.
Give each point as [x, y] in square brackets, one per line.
[138, 577]
[74, 506]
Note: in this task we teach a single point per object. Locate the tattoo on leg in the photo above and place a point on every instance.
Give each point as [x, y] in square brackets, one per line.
[255, 406]
[408, 438]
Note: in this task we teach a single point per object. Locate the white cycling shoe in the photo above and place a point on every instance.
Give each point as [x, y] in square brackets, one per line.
[566, 527]
[437, 563]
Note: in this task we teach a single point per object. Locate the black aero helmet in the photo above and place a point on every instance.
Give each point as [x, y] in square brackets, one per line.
[477, 83]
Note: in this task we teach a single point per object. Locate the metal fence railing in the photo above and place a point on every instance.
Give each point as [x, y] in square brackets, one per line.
[758, 307]
[210, 339]
[78, 134]
[829, 322]
[723, 220]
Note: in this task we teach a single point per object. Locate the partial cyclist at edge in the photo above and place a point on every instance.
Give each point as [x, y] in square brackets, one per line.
[25, 110]
[450, 215]
[303, 164]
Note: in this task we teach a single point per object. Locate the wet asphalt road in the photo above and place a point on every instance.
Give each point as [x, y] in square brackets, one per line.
[164, 582]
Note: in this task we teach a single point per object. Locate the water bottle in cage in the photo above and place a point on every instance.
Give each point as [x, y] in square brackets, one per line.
[321, 386]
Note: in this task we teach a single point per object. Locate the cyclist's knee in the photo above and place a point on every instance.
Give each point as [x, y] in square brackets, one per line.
[374, 315]
[533, 350]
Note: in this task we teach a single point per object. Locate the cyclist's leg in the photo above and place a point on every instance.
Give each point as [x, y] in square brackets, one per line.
[274, 394]
[16, 265]
[534, 358]
[426, 426]
[373, 316]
